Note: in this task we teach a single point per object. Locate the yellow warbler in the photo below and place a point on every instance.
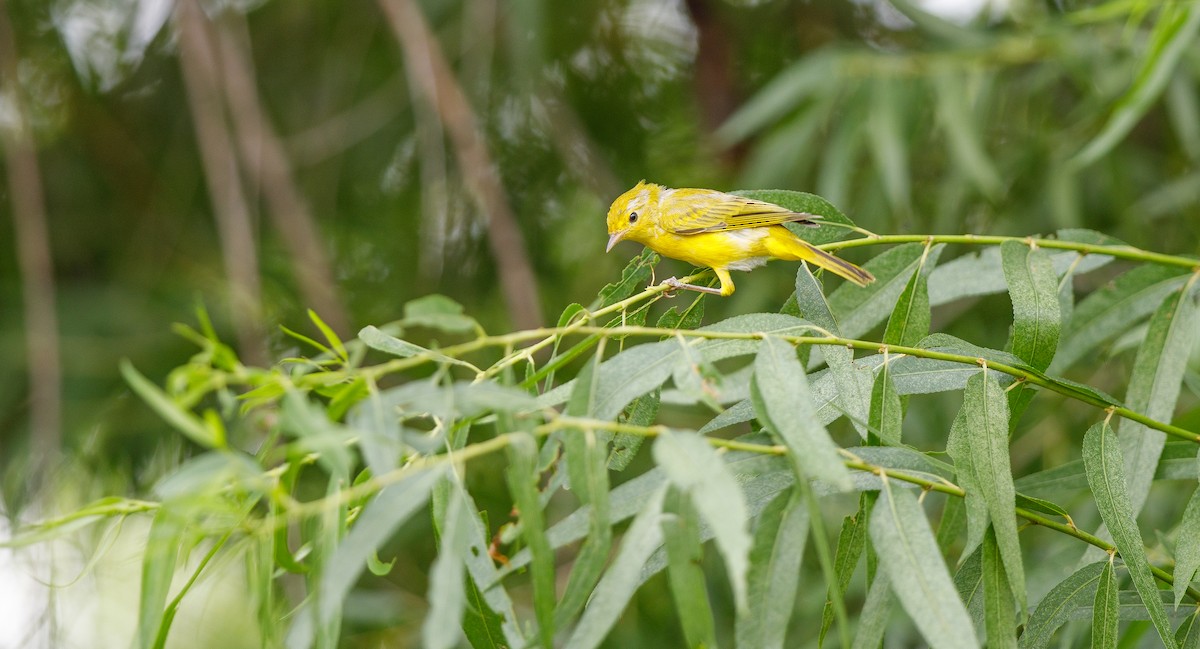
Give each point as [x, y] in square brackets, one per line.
[722, 231]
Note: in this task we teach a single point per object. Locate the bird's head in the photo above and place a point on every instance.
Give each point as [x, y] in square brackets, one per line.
[632, 216]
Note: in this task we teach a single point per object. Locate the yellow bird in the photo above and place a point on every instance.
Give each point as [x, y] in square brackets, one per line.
[725, 232]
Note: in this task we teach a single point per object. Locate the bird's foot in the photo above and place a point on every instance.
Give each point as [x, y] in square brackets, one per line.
[673, 284]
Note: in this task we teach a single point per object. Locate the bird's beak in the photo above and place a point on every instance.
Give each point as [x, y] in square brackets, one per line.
[612, 240]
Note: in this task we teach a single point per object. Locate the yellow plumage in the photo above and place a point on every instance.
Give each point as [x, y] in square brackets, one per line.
[725, 232]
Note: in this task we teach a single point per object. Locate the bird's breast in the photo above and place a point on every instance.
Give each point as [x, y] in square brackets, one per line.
[738, 249]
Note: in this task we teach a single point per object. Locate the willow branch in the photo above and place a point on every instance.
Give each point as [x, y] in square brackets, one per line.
[34, 260]
[265, 160]
[1119, 252]
[432, 74]
[231, 209]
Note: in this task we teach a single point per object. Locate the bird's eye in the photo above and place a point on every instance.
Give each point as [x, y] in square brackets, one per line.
[633, 217]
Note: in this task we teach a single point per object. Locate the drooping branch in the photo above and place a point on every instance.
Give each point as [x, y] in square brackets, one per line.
[232, 211]
[34, 259]
[432, 74]
[265, 160]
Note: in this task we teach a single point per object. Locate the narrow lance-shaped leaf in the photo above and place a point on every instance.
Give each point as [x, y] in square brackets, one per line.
[587, 466]
[1037, 313]
[850, 380]
[876, 612]
[681, 534]
[182, 419]
[1070, 595]
[1105, 610]
[851, 541]
[522, 481]
[1154, 386]
[783, 402]
[909, 556]
[1000, 616]
[1106, 476]
[887, 411]
[616, 588]
[375, 525]
[447, 594]
[1173, 35]
[859, 309]
[642, 412]
[1187, 636]
[1033, 287]
[968, 581]
[1187, 547]
[693, 466]
[158, 567]
[1113, 309]
[979, 446]
[910, 319]
[774, 572]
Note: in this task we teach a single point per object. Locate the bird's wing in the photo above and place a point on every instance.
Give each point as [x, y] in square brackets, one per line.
[711, 211]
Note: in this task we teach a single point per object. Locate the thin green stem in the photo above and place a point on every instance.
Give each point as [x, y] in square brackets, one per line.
[1120, 252]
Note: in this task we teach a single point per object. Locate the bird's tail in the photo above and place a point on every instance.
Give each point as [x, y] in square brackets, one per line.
[794, 248]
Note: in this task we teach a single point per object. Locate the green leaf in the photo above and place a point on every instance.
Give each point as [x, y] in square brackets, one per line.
[692, 465]
[523, 483]
[482, 626]
[375, 339]
[850, 380]
[909, 321]
[681, 532]
[689, 318]
[962, 130]
[968, 581]
[1033, 287]
[1037, 313]
[1070, 595]
[876, 612]
[1106, 476]
[1041, 506]
[619, 583]
[909, 556]
[1105, 624]
[160, 402]
[1187, 547]
[1113, 309]
[888, 143]
[335, 341]
[887, 412]
[1187, 636]
[784, 403]
[642, 412]
[158, 567]
[809, 77]
[860, 309]
[1173, 35]
[635, 275]
[438, 312]
[447, 593]
[1000, 616]
[850, 545]
[979, 445]
[779, 540]
[835, 225]
[375, 525]
[1154, 386]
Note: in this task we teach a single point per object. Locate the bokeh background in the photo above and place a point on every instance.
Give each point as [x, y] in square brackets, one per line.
[252, 159]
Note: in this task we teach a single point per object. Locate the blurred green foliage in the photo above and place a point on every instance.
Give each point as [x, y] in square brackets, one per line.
[1023, 118]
